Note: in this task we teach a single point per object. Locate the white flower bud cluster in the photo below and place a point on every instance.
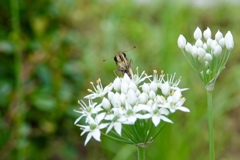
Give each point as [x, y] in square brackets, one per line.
[145, 99]
[206, 50]
[207, 55]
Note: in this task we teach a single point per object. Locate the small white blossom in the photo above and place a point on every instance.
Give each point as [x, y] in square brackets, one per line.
[157, 114]
[99, 91]
[94, 126]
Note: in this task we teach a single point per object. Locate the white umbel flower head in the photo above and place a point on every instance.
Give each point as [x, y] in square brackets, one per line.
[129, 103]
[209, 57]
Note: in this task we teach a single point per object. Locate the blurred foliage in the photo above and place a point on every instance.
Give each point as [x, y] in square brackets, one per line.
[61, 46]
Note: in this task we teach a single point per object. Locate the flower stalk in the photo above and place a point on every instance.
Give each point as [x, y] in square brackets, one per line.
[141, 153]
[208, 57]
[210, 125]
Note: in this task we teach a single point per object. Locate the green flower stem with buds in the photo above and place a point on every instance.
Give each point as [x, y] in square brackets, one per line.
[208, 58]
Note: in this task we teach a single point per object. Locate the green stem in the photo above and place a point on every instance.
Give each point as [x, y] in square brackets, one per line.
[210, 125]
[15, 37]
[141, 153]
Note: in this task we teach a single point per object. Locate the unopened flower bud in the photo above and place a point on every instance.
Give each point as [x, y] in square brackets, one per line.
[209, 42]
[194, 51]
[143, 98]
[197, 34]
[152, 94]
[207, 33]
[217, 50]
[213, 44]
[201, 52]
[181, 41]
[205, 47]
[117, 84]
[188, 47]
[199, 43]
[165, 87]
[222, 42]
[145, 88]
[218, 35]
[106, 104]
[229, 41]
[208, 57]
[124, 87]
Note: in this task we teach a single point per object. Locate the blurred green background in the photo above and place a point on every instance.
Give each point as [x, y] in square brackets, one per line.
[51, 50]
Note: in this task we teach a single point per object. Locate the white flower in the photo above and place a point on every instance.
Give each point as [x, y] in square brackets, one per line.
[130, 104]
[199, 43]
[222, 42]
[156, 113]
[201, 52]
[131, 114]
[87, 110]
[99, 91]
[188, 47]
[208, 57]
[106, 104]
[124, 87]
[197, 34]
[218, 35]
[143, 98]
[117, 84]
[165, 87]
[213, 44]
[146, 88]
[217, 50]
[131, 97]
[194, 51]
[93, 128]
[209, 42]
[229, 41]
[207, 33]
[205, 46]
[175, 102]
[181, 41]
[116, 119]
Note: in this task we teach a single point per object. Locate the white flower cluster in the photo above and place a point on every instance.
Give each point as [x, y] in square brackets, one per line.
[207, 56]
[126, 101]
